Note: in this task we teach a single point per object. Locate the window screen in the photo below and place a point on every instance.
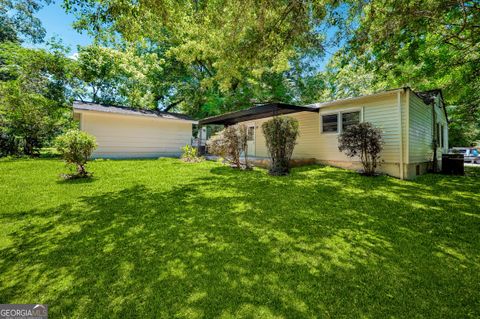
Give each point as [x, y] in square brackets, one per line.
[330, 123]
[350, 119]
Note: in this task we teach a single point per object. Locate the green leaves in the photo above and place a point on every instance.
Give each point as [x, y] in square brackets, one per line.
[281, 134]
[111, 76]
[18, 21]
[233, 51]
[76, 147]
[33, 97]
[421, 44]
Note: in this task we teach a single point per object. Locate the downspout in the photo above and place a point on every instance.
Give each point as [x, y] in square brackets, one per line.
[434, 138]
[399, 105]
[407, 128]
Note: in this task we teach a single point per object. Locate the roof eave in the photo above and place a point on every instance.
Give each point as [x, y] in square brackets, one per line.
[80, 110]
[254, 113]
[355, 99]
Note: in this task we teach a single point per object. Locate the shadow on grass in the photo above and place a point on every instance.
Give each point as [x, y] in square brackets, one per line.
[321, 242]
[76, 180]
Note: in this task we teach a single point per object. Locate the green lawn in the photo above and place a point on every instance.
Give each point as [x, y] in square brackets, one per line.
[161, 238]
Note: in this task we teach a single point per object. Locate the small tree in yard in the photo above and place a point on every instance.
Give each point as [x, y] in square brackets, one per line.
[281, 135]
[229, 144]
[190, 154]
[365, 141]
[76, 147]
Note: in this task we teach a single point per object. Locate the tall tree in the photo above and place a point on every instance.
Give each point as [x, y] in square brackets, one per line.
[225, 51]
[115, 76]
[33, 97]
[18, 20]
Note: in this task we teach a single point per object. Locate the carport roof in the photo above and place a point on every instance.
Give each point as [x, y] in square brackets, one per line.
[88, 106]
[256, 112]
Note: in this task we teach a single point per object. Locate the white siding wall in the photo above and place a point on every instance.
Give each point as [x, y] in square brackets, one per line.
[421, 133]
[422, 130]
[441, 118]
[134, 136]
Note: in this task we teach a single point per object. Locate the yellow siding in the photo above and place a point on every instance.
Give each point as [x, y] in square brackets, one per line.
[130, 136]
[307, 143]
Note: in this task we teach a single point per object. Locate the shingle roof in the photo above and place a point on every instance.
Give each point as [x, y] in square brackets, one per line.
[87, 106]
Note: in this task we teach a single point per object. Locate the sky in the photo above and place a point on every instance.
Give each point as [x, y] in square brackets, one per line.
[58, 24]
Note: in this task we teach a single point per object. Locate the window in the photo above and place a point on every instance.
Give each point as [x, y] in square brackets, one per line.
[350, 118]
[251, 133]
[330, 123]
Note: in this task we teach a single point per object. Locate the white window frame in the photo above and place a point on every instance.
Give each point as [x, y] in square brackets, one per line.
[339, 118]
[321, 121]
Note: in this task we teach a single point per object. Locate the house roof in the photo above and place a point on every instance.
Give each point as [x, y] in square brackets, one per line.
[256, 112]
[114, 109]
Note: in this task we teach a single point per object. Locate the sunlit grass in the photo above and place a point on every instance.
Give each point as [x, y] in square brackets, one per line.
[162, 238]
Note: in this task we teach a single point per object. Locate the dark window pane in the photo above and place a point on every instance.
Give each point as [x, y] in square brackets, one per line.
[350, 119]
[329, 123]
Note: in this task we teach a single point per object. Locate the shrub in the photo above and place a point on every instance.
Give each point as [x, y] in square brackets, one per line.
[190, 154]
[365, 141]
[280, 135]
[229, 144]
[76, 147]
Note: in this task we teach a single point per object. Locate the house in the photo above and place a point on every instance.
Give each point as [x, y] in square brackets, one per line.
[410, 123]
[128, 133]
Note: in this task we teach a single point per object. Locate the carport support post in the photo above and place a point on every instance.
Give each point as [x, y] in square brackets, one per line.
[199, 141]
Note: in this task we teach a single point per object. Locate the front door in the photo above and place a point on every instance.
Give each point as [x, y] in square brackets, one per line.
[251, 139]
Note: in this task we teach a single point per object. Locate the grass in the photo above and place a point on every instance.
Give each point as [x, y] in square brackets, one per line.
[165, 239]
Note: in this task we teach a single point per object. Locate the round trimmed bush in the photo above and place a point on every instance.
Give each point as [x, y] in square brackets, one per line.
[76, 147]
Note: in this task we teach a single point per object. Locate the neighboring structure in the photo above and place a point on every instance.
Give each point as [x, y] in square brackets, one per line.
[410, 123]
[127, 133]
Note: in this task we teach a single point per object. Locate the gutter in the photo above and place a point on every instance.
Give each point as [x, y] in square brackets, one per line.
[81, 111]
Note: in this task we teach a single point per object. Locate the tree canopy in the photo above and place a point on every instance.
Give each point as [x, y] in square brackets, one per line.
[422, 44]
[220, 55]
[18, 20]
[33, 97]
